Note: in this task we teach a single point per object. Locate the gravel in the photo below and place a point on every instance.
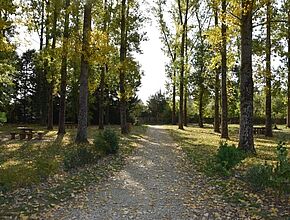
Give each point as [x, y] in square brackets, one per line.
[154, 184]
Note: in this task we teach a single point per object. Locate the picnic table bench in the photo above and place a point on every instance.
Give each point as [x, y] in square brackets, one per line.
[259, 130]
[70, 125]
[26, 132]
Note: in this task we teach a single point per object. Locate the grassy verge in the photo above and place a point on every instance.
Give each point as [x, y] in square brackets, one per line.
[200, 145]
[32, 178]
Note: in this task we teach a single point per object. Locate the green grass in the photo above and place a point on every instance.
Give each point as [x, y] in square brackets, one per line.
[201, 144]
[32, 171]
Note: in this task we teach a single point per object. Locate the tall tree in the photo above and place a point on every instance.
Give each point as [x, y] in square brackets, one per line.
[217, 84]
[63, 71]
[246, 140]
[268, 130]
[122, 72]
[81, 136]
[288, 39]
[224, 96]
[53, 69]
[103, 72]
[183, 19]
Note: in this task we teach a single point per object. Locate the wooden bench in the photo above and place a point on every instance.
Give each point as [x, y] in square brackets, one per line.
[13, 135]
[40, 135]
[259, 130]
[29, 135]
[22, 135]
[70, 125]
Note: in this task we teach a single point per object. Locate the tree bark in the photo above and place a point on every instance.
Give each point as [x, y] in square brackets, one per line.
[217, 88]
[45, 70]
[51, 84]
[42, 87]
[174, 98]
[83, 95]
[200, 107]
[224, 101]
[268, 124]
[63, 71]
[101, 98]
[246, 140]
[174, 92]
[103, 74]
[182, 56]
[123, 104]
[288, 109]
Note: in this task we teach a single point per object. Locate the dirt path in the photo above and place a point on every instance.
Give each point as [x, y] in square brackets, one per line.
[153, 185]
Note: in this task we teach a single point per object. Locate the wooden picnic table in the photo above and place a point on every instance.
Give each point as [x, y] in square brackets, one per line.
[25, 131]
[259, 130]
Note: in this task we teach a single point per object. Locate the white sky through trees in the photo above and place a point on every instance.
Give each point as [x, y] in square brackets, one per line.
[152, 60]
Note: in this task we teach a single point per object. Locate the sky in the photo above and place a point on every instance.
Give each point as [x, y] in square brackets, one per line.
[152, 60]
[153, 63]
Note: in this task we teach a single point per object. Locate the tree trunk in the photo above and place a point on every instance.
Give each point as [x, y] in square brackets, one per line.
[51, 84]
[200, 107]
[174, 92]
[44, 104]
[42, 101]
[224, 115]
[103, 74]
[174, 98]
[268, 130]
[101, 98]
[83, 96]
[182, 56]
[288, 109]
[63, 71]
[217, 89]
[246, 140]
[185, 106]
[123, 104]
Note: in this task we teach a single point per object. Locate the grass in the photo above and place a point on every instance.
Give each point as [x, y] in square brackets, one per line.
[201, 144]
[32, 171]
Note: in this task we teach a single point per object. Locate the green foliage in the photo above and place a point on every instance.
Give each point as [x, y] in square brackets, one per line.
[3, 118]
[78, 158]
[278, 177]
[228, 156]
[259, 176]
[107, 141]
[46, 167]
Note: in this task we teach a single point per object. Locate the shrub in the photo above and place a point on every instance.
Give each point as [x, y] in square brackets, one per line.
[228, 156]
[78, 158]
[259, 176]
[45, 167]
[107, 141]
[277, 177]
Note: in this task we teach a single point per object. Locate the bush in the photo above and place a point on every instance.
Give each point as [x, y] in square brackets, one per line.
[45, 167]
[228, 156]
[277, 177]
[259, 176]
[107, 141]
[78, 158]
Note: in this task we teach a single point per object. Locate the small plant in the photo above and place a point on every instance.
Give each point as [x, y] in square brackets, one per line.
[228, 156]
[278, 177]
[45, 167]
[260, 176]
[78, 158]
[107, 141]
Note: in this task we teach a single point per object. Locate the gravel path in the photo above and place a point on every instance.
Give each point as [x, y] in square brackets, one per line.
[153, 185]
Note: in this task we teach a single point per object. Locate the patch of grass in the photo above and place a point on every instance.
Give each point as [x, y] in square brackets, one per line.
[202, 144]
[26, 164]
